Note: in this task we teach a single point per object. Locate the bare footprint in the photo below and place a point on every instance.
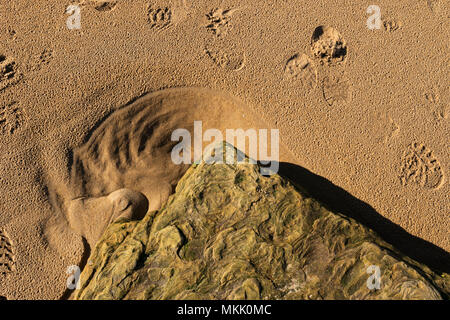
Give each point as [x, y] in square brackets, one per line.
[11, 118]
[328, 45]
[336, 89]
[6, 254]
[302, 68]
[420, 166]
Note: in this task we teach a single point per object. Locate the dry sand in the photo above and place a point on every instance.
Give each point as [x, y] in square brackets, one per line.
[363, 114]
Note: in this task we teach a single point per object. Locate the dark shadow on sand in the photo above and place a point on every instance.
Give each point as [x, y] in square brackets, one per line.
[338, 200]
[84, 259]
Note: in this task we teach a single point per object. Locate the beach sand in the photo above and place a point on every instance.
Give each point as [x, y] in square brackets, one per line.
[363, 114]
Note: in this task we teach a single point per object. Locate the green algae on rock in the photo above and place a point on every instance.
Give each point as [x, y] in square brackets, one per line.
[229, 232]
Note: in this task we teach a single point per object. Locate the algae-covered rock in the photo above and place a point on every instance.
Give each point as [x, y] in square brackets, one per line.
[229, 232]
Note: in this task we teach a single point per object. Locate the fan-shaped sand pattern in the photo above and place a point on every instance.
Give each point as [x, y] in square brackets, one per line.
[132, 147]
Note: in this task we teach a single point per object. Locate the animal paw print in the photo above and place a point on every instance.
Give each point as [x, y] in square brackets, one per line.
[392, 25]
[159, 18]
[328, 45]
[440, 110]
[219, 20]
[11, 118]
[420, 166]
[336, 90]
[11, 33]
[301, 67]
[43, 59]
[6, 255]
[8, 72]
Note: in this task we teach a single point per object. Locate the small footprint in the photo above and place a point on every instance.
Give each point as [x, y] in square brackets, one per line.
[219, 20]
[11, 33]
[432, 96]
[336, 90]
[8, 72]
[302, 68]
[392, 25]
[159, 18]
[11, 118]
[420, 166]
[226, 57]
[105, 5]
[440, 110]
[102, 6]
[328, 45]
[43, 59]
[6, 255]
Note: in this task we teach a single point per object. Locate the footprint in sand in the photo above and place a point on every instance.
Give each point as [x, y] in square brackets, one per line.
[8, 72]
[328, 46]
[11, 33]
[392, 25]
[6, 254]
[219, 20]
[161, 18]
[11, 118]
[336, 89]
[225, 56]
[105, 5]
[440, 110]
[102, 6]
[42, 59]
[303, 69]
[393, 130]
[420, 166]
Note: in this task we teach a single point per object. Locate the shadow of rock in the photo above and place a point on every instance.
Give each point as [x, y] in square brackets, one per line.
[338, 200]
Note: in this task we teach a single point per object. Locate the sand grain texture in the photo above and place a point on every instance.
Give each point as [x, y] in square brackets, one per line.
[362, 114]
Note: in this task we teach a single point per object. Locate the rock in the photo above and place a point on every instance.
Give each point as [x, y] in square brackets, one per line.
[230, 233]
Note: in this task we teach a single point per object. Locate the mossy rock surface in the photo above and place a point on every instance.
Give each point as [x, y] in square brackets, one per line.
[229, 232]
